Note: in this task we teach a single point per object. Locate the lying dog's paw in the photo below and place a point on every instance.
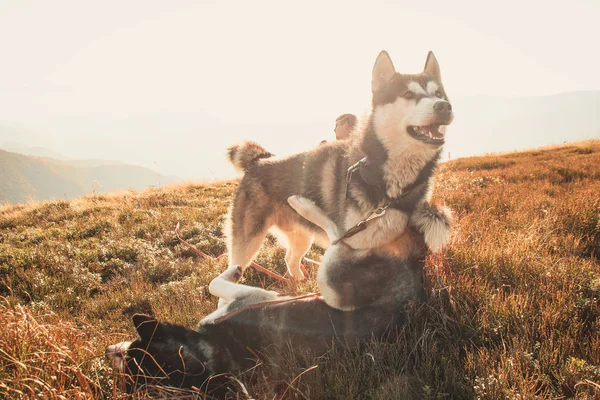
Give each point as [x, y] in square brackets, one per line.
[435, 223]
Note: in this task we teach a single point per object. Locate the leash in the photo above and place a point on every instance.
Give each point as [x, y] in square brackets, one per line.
[362, 225]
[265, 304]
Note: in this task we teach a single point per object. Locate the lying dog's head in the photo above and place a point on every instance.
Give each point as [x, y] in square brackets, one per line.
[410, 110]
[163, 354]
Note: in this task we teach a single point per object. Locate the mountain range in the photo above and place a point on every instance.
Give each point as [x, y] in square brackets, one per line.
[192, 144]
[26, 178]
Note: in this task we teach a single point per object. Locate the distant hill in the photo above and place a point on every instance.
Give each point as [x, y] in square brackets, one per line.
[34, 151]
[26, 178]
[52, 156]
[192, 144]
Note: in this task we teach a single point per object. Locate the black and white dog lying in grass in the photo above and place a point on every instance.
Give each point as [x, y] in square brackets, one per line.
[255, 322]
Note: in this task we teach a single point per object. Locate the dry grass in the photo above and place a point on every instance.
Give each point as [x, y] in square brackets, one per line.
[513, 308]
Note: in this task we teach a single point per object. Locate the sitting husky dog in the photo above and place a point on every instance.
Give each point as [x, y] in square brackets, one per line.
[256, 321]
[351, 279]
[393, 157]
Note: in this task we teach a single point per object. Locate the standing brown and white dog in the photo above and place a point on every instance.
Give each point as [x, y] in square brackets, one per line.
[399, 146]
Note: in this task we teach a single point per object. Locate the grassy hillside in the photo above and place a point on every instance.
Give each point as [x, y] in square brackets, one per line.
[27, 178]
[513, 308]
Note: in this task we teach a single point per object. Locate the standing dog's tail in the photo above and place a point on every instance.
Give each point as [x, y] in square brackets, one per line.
[245, 155]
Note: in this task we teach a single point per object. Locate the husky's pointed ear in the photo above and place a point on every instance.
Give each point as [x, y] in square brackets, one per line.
[383, 71]
[146, 326]
[432, 68]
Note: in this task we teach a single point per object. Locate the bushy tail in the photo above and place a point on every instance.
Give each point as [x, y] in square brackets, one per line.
[245, 155]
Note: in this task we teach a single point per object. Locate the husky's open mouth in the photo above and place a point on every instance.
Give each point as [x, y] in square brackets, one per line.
[432, 134]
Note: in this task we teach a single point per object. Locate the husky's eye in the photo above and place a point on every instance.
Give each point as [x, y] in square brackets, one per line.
[409, 95]
[439, 94]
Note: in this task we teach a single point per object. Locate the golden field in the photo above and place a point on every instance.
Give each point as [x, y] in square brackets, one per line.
[513, 308]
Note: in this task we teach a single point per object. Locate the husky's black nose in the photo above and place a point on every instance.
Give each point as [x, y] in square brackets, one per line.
[442, 107]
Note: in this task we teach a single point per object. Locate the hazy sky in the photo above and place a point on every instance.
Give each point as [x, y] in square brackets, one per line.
[81, 73]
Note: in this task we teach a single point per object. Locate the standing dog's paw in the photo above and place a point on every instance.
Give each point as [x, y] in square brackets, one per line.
[435, 223]
[232, 274]
[301, 277]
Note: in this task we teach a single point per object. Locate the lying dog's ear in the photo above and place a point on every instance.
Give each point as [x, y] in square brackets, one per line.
[432, 68]
[146, 326]
[383, 71]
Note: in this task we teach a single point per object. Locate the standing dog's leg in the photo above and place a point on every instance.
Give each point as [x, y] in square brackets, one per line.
[314, 214]
[247, 229]
[298, 245]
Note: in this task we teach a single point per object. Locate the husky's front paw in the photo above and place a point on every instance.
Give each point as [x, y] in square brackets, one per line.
[435, 223]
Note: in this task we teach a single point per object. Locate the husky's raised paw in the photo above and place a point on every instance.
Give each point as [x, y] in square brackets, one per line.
[300, 203]
[434, 222]
[313, 213]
